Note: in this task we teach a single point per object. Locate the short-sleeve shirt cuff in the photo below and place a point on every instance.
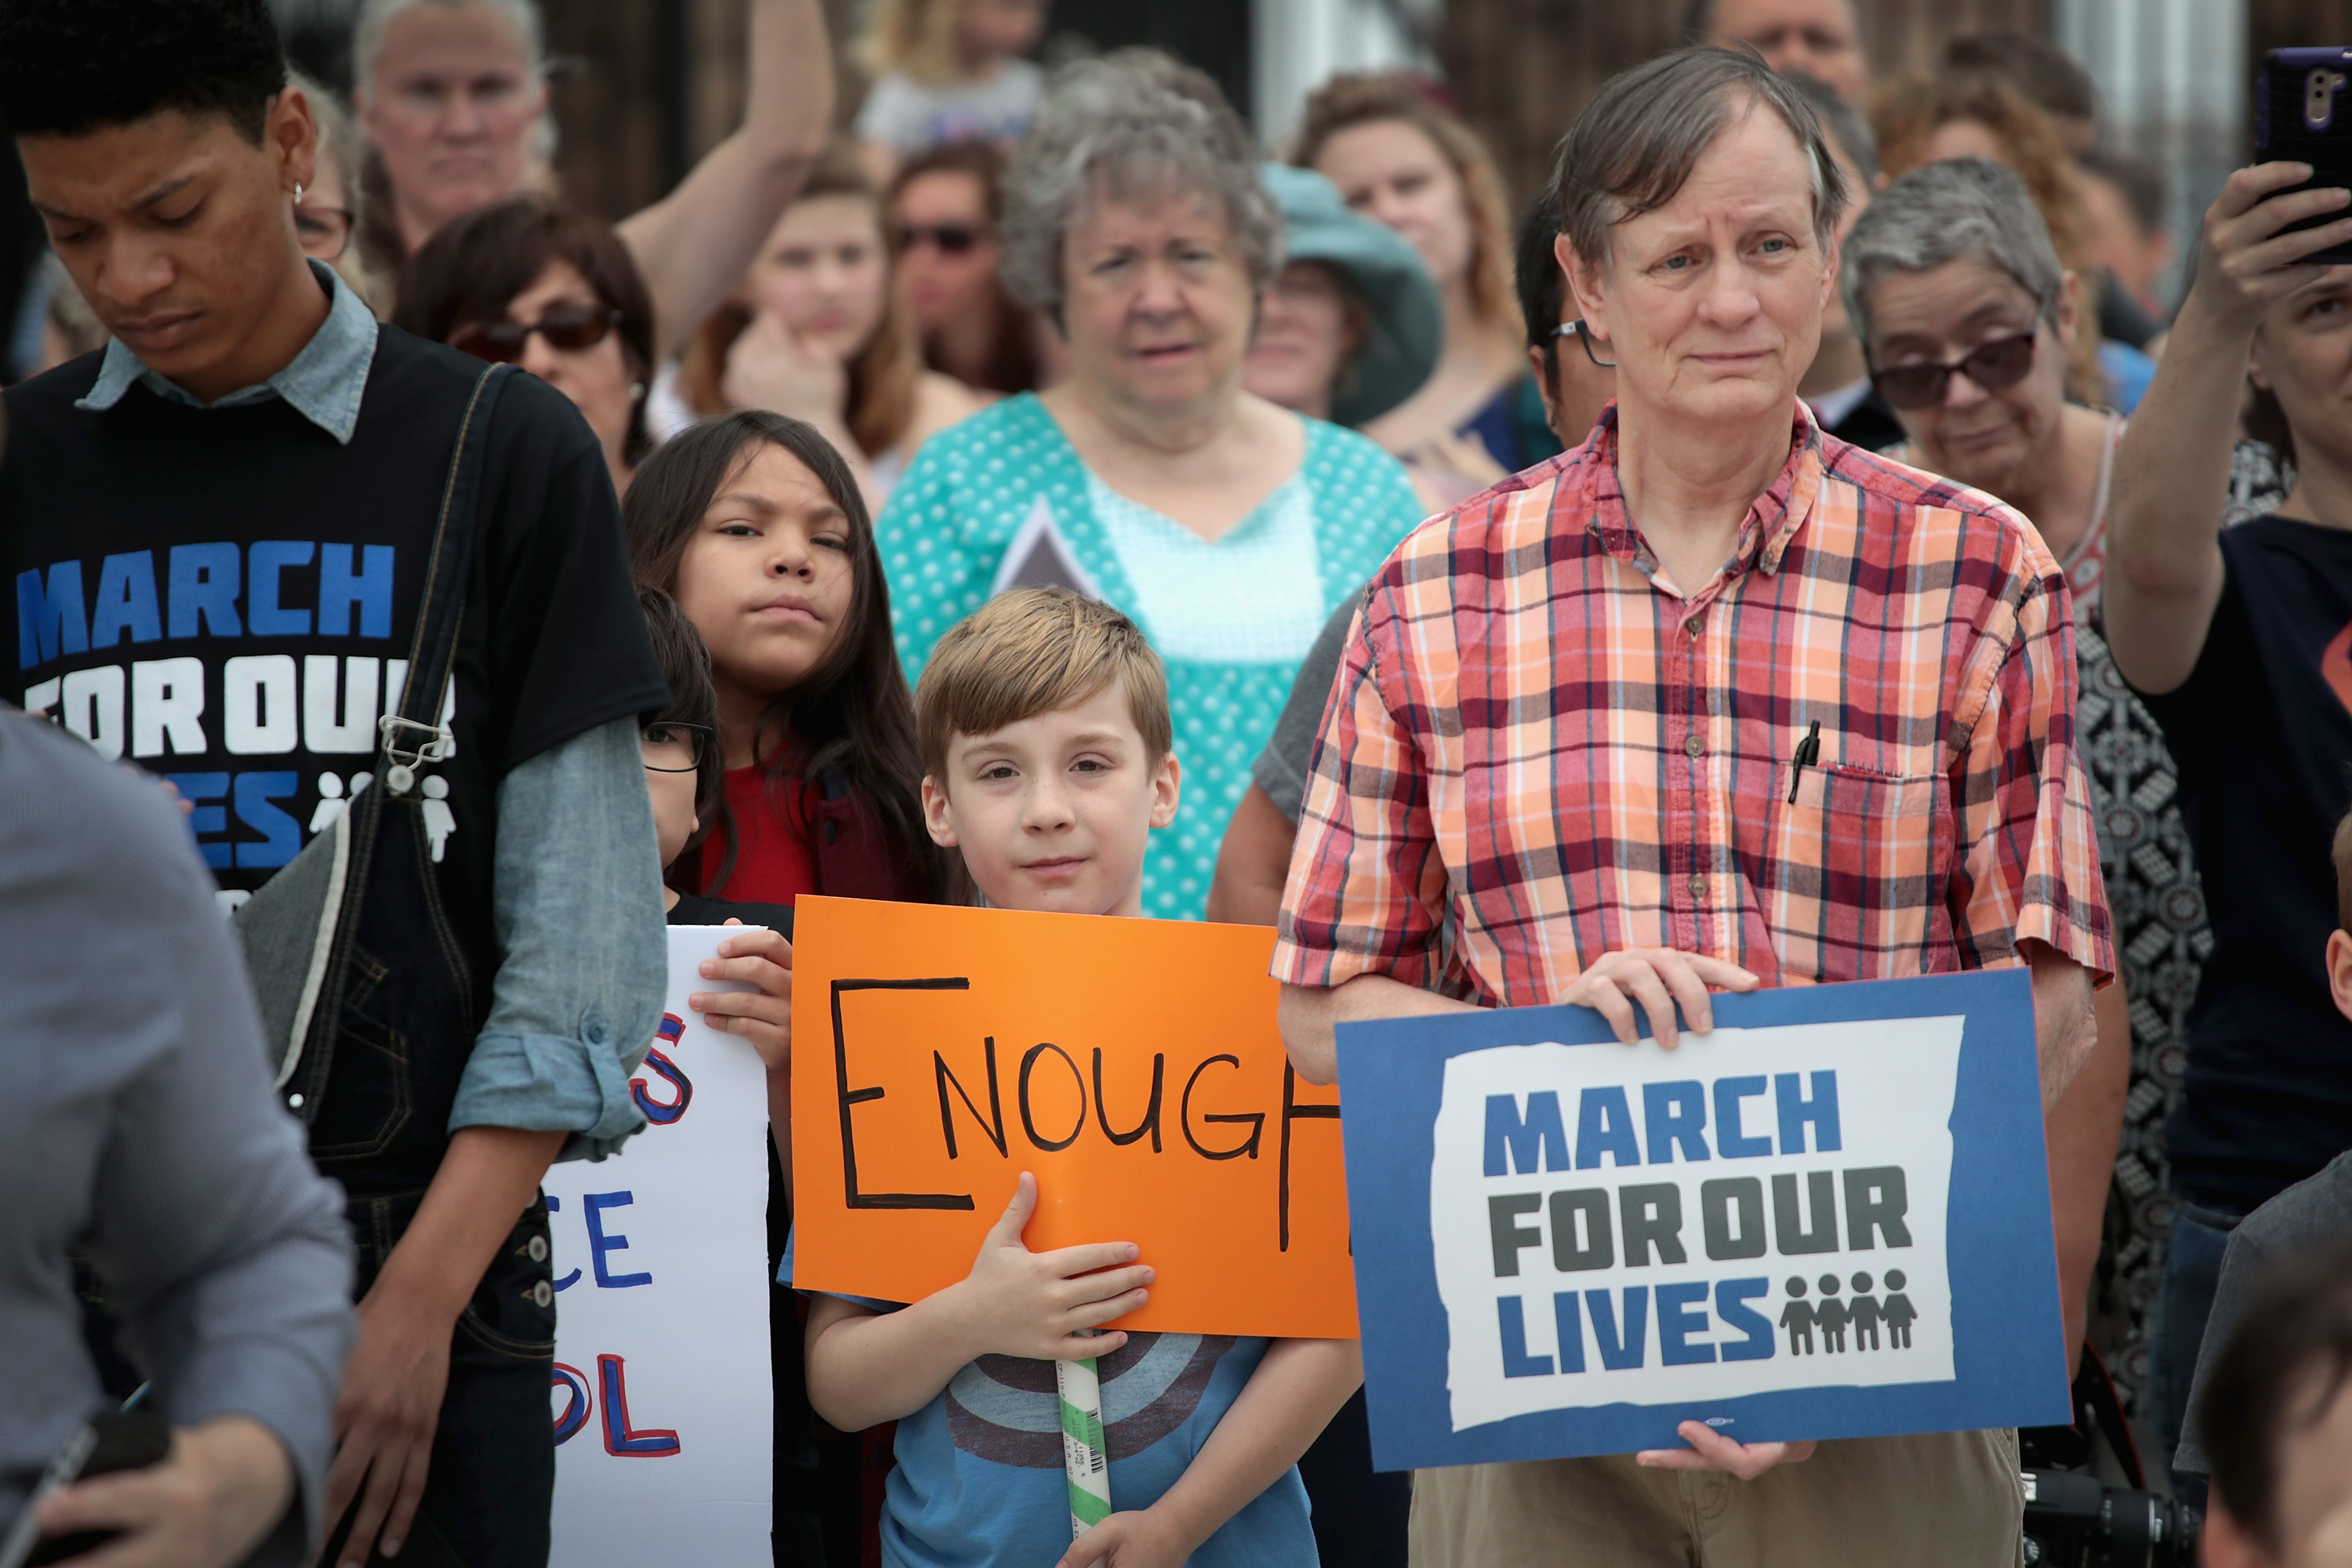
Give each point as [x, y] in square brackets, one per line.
[1327, 969]
[2063, 931]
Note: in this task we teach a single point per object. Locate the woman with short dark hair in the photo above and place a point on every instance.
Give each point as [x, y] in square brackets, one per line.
[534, 283]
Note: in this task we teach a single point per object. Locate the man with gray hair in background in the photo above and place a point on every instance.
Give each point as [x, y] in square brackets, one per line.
[1569, 703]
[1821, 38]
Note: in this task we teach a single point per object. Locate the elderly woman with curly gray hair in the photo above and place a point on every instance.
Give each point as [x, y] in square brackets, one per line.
[1227, 527]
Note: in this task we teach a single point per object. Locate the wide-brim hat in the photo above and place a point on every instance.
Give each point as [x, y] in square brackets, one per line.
[1404, 327]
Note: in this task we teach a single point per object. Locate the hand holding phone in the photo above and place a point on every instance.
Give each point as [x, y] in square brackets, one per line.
[205, 1499]
[108, 1441]
[2302, 114]
[2258, 245]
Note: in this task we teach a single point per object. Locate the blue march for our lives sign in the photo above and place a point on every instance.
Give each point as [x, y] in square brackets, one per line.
[1830, 1217]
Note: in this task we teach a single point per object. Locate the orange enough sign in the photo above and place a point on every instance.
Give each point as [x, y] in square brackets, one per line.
[1133, 1065]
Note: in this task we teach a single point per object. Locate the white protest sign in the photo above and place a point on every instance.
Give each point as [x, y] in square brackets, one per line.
[1617, 1226]
[661, 1395]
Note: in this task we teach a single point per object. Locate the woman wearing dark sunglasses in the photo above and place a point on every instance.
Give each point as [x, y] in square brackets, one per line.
[942, 211]
[1970, 323]
[532, 283]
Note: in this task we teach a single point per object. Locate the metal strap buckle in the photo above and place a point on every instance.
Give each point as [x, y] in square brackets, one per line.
[401, 777]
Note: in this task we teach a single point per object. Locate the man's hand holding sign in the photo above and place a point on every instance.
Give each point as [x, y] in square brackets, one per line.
[1825, 1216]
[1657, 993]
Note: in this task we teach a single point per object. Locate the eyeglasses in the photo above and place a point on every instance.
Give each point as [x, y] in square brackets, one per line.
[324, 232]
[1994, 366]
[951, 239]
[676, 748]
[1576, 330]
[569, 327]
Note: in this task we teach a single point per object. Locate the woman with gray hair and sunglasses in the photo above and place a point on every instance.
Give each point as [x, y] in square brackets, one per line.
[1228, 528]
[1969, 321]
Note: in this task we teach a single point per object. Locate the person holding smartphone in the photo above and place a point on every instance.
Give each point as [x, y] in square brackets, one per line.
[140, 1127]
[2236, 637]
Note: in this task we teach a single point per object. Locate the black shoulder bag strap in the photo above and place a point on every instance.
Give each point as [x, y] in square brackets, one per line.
[412, 734]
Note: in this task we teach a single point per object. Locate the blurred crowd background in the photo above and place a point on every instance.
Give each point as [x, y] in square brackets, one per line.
[642, 88]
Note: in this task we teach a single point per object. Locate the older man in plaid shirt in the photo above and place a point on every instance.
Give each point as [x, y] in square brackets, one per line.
[1716, 700]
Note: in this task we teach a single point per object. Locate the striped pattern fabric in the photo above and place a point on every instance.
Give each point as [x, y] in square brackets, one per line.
[1537, 751]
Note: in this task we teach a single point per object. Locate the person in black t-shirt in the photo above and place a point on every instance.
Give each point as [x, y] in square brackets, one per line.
[216, 535]
[2237, 639]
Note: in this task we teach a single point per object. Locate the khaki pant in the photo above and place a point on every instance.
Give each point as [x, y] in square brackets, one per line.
[1949, 1499]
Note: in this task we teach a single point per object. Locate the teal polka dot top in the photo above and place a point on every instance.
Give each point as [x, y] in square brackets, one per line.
[1003, 501]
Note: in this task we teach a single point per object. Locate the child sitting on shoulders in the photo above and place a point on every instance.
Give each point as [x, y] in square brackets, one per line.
[1046, 733]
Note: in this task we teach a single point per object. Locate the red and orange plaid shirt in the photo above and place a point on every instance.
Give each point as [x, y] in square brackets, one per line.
[1539, 751]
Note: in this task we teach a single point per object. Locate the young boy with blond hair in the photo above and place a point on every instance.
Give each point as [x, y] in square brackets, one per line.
[1046, 750]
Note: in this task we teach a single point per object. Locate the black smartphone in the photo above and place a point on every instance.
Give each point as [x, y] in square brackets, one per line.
[111, 1440]
[2302, 114]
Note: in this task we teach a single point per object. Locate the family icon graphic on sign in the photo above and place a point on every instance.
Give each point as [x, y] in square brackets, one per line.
[1863, 1313]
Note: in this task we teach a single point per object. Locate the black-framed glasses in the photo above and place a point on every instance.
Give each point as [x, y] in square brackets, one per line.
[1994, 366]
[674, 748]
[1576, 330]
[948, 239]
[570, 327]
[324, 232]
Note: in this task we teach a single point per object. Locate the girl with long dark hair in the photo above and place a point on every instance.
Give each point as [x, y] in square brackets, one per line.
[754, 523]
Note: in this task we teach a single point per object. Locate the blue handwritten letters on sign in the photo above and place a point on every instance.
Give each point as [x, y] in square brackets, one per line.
[1828, 1218]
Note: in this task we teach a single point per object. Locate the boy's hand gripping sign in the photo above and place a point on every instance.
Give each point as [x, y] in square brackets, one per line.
[1828, 1218]
[1133, 1065]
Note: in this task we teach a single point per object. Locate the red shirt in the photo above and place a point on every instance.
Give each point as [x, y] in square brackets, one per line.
[778, 861]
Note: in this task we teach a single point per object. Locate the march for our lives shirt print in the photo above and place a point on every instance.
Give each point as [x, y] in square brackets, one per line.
[250, 675]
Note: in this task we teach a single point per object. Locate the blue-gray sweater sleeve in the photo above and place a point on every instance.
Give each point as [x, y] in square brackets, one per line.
[142, 1124]
[584, 954]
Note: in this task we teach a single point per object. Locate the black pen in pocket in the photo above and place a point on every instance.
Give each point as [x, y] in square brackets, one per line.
[1809, 752]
